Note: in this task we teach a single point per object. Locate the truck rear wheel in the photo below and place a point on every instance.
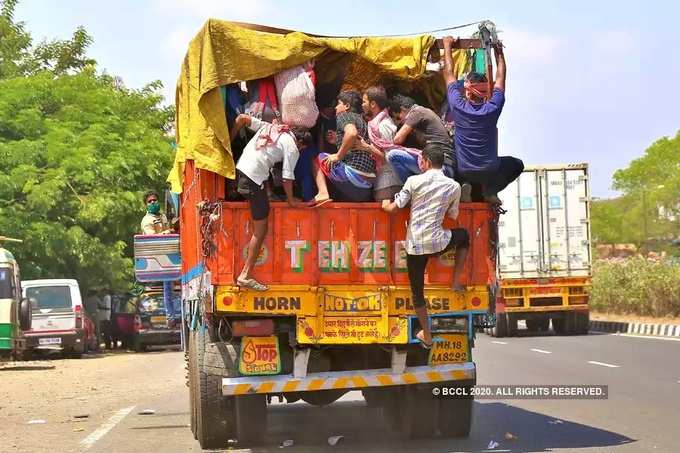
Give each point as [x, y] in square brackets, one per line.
[501, 327]
[564, 325]
[455, 416]
[419, 412]
[410, 411]
[533, 324]
[582, 323]
[251, 418]
[511, 320]
[212, 413]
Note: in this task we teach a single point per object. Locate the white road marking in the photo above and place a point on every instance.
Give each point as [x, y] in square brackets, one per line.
[541, 351]
[646, 337]
[499, 342]
[116, 418]
[608, 365]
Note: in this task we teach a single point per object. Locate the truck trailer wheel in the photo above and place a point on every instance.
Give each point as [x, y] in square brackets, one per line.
[582, 323]
[564, 325]
[251, 419]
[501, 328]
[455, 416]
[214, 420]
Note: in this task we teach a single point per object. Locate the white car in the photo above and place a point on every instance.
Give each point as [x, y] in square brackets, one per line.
[59, 318]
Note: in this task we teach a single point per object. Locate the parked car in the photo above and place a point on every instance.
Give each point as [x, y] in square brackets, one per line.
[152, 327]
[59, 319]
[125, 321]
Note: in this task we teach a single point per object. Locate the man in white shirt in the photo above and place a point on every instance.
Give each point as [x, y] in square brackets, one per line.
[271, 144]
[154, 222]
[432, 196]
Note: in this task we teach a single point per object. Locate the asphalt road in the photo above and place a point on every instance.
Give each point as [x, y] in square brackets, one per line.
[641, 414]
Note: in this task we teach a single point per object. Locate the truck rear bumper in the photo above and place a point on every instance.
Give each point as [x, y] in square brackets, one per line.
[348, 380]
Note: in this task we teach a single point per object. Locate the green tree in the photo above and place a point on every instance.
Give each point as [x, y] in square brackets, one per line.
[649, 184]
[77, 150]
[18, 56]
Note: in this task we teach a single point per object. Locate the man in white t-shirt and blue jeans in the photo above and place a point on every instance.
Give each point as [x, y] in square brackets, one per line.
[272, 143]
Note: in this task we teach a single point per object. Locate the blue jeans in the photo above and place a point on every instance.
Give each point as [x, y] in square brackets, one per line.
[404, 163]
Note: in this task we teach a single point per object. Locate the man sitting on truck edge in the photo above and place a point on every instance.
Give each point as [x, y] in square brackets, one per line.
[475, 114]
[271, 143]
[422, 122]
[432, 196]
[349, 174]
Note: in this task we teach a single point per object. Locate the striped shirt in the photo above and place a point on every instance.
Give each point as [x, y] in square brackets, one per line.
[433, 195]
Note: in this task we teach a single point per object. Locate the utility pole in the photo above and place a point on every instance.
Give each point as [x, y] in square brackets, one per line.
[644, 215]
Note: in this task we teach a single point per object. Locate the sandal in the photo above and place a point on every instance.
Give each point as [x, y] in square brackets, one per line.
[251, 283]
[320, 203]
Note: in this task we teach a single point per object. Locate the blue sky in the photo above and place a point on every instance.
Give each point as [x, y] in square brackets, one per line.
[588, 81]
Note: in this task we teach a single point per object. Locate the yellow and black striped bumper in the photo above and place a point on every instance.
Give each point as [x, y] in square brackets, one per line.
[348, 380]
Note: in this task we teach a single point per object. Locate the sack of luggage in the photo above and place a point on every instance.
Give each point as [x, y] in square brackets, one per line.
[262, 100]
[295, 90]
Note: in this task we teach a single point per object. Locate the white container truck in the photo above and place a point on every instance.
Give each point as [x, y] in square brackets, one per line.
[544, 257]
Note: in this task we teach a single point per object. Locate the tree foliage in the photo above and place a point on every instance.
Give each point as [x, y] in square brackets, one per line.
[19, 57]
[650, 200]
[77, 149]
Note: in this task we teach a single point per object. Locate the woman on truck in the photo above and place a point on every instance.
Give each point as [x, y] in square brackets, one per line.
[351, 170]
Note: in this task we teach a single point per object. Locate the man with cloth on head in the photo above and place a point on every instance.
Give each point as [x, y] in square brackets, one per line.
[475, 114]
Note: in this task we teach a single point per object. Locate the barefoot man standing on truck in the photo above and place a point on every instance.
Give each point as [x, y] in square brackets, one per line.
[272, 143]
[432, 196]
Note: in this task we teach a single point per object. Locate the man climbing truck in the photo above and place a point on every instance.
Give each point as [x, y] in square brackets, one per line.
[544, 251]
[337, 314]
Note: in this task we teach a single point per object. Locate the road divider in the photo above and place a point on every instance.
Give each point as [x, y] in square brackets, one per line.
[637, 328]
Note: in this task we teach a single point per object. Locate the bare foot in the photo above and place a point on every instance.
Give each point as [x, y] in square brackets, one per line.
[426, 341]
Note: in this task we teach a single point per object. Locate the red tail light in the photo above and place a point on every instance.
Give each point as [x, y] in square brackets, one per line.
[78, 309]
[253, 328]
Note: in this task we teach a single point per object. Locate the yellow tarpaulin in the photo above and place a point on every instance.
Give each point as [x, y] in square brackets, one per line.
[225, 52]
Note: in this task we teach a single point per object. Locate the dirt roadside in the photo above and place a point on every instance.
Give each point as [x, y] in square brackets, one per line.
[597, 316]
[74, 397]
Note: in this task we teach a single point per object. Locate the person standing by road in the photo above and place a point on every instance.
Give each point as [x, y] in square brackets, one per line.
[104, 314]
[92, 302]
[475, 114]
[432, 196]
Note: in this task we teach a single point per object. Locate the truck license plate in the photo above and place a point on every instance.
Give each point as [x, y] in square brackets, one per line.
[159, 320]
[259, 355]
[451, 348]
[48, 341]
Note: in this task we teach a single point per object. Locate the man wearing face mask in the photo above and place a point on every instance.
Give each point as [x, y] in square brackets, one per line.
[154, 222]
